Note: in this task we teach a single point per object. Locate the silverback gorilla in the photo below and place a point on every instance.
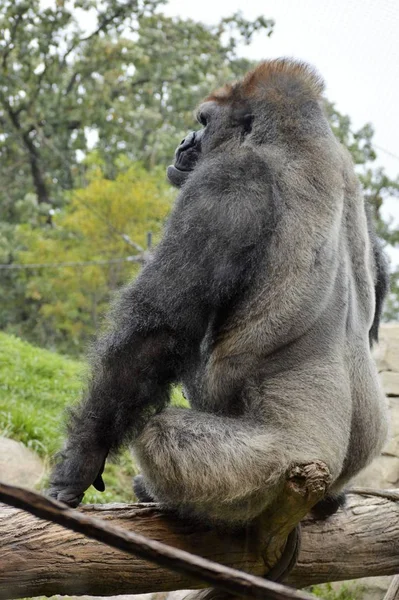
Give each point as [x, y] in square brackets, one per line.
[262, 299]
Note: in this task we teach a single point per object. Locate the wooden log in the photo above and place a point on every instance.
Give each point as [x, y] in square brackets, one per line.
[229, 582]
[41, 558]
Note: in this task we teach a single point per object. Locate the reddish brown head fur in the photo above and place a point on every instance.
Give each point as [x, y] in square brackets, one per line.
[269, 79]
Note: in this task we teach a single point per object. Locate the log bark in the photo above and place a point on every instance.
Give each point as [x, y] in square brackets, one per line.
[41, 558]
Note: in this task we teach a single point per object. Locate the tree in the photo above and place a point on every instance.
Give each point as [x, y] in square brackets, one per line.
[99, 223]
[176, 61]
[59, 82]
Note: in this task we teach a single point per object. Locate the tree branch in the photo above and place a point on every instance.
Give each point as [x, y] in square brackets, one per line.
[33, 155]
[40, 558]
[71, 83]
[10, 46]
[225, 578]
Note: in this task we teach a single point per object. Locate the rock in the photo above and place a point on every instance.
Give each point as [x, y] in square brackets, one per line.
[384, 470]
[392, 447]
[19, 465]
[369, 588]
[390, 382]
[383, 473]
[386, 352]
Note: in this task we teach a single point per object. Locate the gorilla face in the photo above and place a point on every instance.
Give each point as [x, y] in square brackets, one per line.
[220, 124]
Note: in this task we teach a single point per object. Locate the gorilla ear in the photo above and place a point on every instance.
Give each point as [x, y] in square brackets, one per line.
[243, 119]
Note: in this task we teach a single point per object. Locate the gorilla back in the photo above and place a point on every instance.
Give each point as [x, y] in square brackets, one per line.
[261, 299]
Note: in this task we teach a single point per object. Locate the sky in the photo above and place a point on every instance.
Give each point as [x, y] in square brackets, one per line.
[354, 44]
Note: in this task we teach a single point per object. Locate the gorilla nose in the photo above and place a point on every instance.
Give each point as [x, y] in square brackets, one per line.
[188, 141]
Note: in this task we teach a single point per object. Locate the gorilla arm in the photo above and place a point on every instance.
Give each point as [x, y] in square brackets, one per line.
[205, 258]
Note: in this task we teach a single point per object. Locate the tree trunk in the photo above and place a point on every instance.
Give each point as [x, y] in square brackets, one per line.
[40, 558]
[33, 155]
[36, 171]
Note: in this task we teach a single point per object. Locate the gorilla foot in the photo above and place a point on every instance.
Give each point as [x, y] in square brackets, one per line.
[329, 506]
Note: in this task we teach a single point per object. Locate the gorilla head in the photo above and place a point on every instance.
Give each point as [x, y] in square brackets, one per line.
[257, 105]
[220, 124]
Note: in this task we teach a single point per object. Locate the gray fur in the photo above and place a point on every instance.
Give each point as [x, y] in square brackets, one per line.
[260, 299]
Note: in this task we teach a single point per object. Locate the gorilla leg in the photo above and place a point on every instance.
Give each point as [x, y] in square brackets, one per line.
[140, 489]
[219, 468]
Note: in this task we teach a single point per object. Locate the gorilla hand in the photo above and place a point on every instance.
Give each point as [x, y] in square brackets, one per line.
[75, 472]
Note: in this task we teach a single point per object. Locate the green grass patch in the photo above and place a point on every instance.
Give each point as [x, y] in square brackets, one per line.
[35, 387]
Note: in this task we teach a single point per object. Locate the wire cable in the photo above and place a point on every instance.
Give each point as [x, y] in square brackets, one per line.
[78, 263]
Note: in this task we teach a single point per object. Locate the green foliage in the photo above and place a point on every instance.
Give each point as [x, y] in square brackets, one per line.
[44, 108]
[132, 79]
[65, 304]
[343, 592]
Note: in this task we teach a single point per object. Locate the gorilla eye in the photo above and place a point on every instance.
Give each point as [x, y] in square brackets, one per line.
[201, 118]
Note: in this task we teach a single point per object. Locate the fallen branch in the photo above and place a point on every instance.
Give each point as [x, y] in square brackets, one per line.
[393, 590]
[41, 558]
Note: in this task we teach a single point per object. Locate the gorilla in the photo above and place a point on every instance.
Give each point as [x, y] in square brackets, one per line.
[262, 300]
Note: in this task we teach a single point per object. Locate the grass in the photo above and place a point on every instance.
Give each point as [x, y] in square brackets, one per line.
[36, 386]
[327, 591]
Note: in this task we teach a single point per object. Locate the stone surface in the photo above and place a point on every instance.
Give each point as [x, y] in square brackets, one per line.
[392, 447]
[383, 473]
[369, 588]
[390, 382]
[19, 465]
[384, 470]
[387, 351]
